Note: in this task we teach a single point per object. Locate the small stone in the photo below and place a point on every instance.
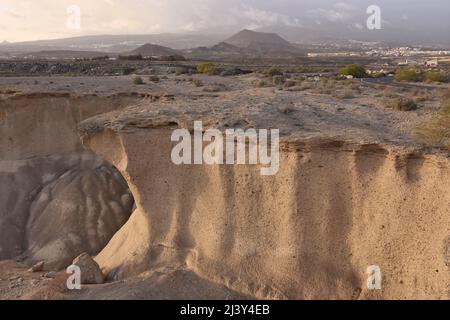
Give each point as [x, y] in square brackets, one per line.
[38, 267]
[90, 270]
[50, 275]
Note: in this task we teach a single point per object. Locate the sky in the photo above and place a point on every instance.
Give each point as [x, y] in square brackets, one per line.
[22, 20]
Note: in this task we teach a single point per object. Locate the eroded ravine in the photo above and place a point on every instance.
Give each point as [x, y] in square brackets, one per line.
[335, 207]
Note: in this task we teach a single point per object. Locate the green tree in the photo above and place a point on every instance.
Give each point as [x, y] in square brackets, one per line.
[354, 70]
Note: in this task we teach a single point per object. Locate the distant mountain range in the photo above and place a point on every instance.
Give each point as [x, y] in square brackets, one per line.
[245, 44]
[310, 32]
[113, 43]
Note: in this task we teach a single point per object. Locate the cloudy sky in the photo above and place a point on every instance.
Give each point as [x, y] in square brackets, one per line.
[48, 19]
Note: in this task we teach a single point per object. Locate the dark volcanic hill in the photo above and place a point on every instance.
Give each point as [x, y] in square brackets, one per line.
[220, 50]
[247, 45]
[153, 50]
[259, 40]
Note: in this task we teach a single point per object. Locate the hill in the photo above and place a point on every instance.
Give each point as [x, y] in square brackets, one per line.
[154, 50]
[259, 40]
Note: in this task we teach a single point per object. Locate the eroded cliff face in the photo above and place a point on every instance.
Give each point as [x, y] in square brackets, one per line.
[309, 232]
[347, 196]
[57, 199]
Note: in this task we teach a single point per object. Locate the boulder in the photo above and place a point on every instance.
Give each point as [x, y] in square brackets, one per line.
[90, 270]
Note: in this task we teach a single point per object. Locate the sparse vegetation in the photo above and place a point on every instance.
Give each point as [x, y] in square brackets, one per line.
[413, 75]
[408, 74]
[354, 70]
[437, 130]
[433, 76]
[273, 72]
[215, 87]
[400, 104]
[260, 83]
[197, 82]
[277, 80]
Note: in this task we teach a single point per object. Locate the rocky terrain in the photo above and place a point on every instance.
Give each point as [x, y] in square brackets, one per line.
[85, 168]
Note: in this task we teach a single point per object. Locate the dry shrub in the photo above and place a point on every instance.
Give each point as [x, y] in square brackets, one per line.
[437, 130]
[346, 94]
[260, 83]
[277, 80]
[197, 82]
[273, 72]
[215, 87]
[400, 104]
[421, 96]
[290, 84]
[138, 81]
[207, 68]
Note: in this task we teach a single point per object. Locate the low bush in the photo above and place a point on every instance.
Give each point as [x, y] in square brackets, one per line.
[408, 74]
[412, 75]
[433, 76]
[277, 80]
[260, 83]
[400, 104]
[354, 70]
[138, 81]
[215, 87]
[207, 68]
[273, 72]
[436, 131]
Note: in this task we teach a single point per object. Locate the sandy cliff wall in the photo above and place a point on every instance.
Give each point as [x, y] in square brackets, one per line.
[310, 231]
